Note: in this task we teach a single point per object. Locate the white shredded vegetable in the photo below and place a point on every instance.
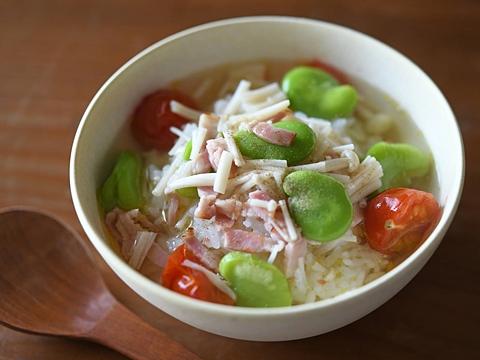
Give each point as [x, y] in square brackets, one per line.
[233, 148]
[369, 170]
[189, 181]
[168, 171]
[353, 160]
[178, 132]
[223, 172]
[261, 163]
[198, 139]
[185, 111]
[260, 115]
[341, 148]
[263, 92]
[274, 252]
[325, 166]
[234, 103]
[270, 205]
[292, 231]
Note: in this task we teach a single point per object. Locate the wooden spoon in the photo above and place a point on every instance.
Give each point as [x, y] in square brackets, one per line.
[49, 285]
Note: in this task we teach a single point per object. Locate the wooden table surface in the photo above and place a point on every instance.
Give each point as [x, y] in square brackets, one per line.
[54, 55]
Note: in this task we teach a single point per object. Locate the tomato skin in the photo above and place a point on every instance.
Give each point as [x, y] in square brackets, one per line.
[332, 70]
[153, 118]
[190, 282]
[398, 220]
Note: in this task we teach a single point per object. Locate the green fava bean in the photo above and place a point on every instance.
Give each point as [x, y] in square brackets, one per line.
[123, 187]
[317, 94]
[319, 204]
[255, 282]
[188, 150]
[302, 146]
[188, 192]
[400, 163]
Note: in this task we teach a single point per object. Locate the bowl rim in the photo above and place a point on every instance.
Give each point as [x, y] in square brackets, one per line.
[120, 266]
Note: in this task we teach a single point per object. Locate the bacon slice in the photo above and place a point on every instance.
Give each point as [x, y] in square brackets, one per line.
[248, 241]
[281, 115]
[209, 258]
[259, 195]
[215, 147]
[227, 212]
[206, 190]
[274, 222]
[206, 207]
[273, 135]
[201, 164]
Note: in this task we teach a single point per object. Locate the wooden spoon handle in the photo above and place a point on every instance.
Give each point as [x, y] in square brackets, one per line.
[125, 332]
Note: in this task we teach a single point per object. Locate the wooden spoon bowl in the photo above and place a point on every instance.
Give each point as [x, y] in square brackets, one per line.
[49, 285]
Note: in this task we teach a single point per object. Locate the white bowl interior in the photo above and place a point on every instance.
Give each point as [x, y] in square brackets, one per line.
[251, 39]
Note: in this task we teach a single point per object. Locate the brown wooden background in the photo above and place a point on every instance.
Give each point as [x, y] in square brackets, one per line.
[55, 54]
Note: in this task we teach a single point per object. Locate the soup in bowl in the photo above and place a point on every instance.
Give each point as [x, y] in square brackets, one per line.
[255, 179]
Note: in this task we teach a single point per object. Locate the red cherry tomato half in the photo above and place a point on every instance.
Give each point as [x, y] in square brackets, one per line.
[398, 220]
[153, 118]
[332, 70]
[190, 282]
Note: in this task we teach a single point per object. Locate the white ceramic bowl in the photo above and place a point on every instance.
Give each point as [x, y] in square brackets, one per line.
[249, 39]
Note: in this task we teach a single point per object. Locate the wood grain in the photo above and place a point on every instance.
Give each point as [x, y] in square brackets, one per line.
[55, 289]
[55, 55]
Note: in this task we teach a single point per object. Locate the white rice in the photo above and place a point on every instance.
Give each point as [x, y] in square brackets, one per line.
[325, 273]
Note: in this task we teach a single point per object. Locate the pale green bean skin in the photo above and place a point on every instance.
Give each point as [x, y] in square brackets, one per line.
[317, 94]
[319, 204]
[401, 163]
[253, 147]
[256, 283]
[123, 188]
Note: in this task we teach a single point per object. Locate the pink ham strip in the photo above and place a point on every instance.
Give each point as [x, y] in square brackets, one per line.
[273, 135]
[206, 190]
[227, 212]
[206, 207]
[259, 195]
[280, 116]
[208, 258]
[215, 147]
[201, 165]
[248, 241]
[268, 218]
[293, 252]
[137, 216]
